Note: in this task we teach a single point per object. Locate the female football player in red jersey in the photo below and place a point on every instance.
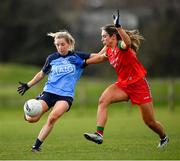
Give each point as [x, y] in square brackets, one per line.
[120, 50]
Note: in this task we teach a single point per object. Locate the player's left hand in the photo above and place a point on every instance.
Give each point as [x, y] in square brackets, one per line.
[116, 20]
[77, 61]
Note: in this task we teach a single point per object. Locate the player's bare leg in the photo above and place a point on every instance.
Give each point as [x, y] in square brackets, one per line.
[148, 117]
[110, 95]
[58, 110]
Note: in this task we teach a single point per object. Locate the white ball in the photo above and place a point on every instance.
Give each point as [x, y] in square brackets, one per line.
[32, 107]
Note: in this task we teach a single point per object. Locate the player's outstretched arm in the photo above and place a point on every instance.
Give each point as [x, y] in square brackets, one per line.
[38, 77]
[23, 87]
[98, 58]
[94, 59]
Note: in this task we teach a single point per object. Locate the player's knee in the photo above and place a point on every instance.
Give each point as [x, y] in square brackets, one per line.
[103, 101]
[52, 119]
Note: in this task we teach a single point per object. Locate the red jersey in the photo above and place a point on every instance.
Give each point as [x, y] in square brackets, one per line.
[128, 68]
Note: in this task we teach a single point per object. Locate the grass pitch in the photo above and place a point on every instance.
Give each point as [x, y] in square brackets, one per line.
[126, 137]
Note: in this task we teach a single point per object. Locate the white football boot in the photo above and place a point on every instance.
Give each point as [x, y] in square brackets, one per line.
[95, 137]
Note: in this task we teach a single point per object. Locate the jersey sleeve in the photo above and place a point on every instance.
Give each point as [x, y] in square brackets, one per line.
[47, 67]
[83, 55]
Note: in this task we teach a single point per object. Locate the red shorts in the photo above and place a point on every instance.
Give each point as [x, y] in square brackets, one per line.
[138, 92]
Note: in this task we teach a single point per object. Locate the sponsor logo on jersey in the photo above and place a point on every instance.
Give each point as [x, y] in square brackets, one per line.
[63, 69]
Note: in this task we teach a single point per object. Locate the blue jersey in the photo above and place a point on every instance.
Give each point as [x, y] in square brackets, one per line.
[62, 75]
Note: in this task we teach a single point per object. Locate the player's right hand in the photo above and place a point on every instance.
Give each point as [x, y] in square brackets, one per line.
[22, 88]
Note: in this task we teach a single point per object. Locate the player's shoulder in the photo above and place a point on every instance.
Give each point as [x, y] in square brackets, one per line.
[53, 56]
[49, 59]
[82, 54]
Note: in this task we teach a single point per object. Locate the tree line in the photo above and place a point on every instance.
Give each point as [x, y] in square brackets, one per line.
[24, 25]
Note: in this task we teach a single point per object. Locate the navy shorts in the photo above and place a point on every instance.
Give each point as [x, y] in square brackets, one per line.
[51, 99]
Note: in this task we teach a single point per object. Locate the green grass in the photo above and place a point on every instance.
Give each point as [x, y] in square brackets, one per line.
[126, 137]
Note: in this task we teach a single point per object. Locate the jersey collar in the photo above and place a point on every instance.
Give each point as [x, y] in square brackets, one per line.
[64, 56]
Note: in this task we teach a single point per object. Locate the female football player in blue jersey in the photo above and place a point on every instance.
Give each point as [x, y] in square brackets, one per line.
[58, 92]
